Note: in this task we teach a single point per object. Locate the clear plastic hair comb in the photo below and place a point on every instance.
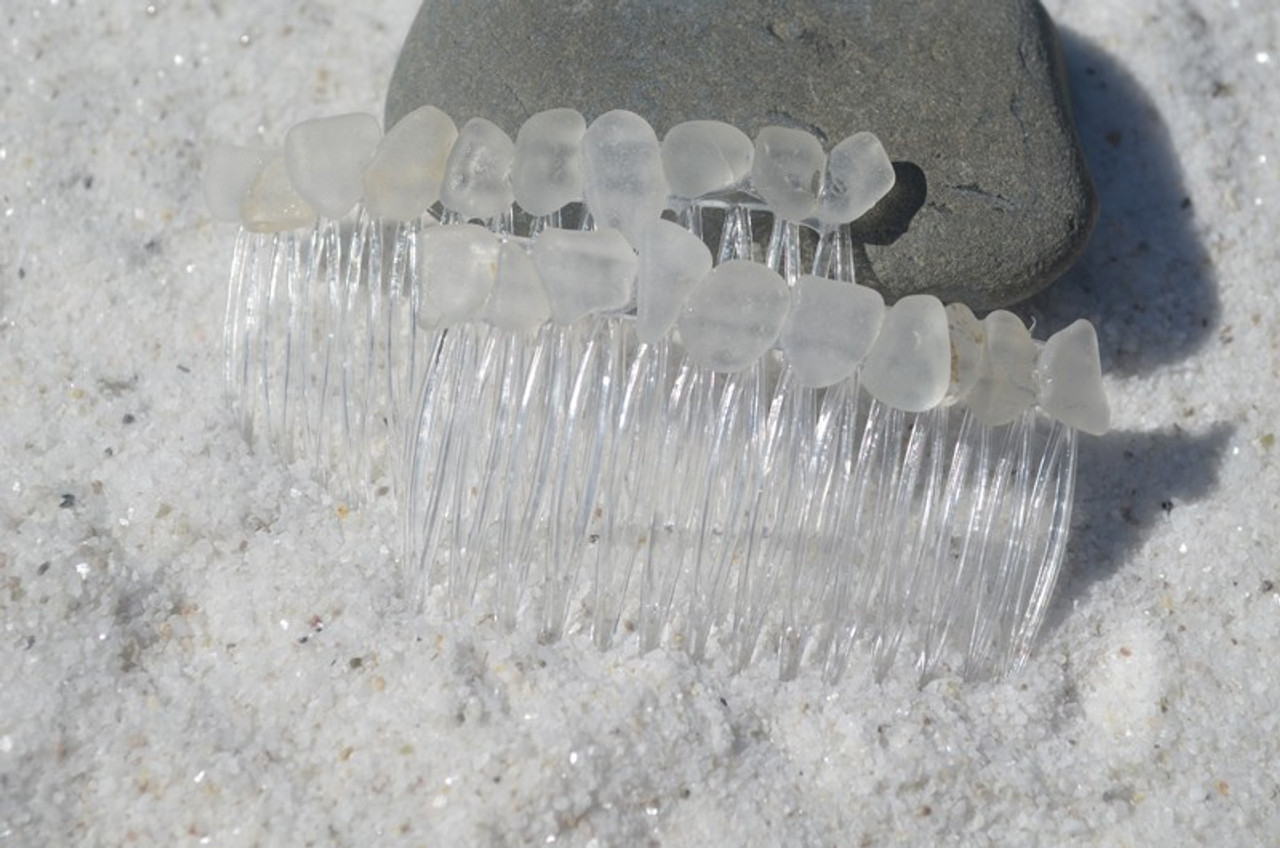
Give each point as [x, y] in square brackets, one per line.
[631, 387]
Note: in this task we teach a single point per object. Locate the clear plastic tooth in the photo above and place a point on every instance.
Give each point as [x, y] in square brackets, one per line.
[547, 173]
[706, 157]
[818, 574]
[626, 487]
[402, 180]
[1002, 536]
[1049, 523]
[593, 355]
[477, 177]
[326, 159]
[787, 171]
[780, 444]
[722, 546]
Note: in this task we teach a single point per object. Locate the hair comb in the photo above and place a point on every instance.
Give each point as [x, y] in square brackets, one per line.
[631, 387]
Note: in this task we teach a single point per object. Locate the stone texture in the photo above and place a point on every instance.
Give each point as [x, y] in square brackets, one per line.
[993, 200]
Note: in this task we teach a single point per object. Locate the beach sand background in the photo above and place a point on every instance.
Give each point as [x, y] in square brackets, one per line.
[200, 646]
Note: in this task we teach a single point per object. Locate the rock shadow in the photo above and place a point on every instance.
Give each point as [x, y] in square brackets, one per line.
[1126, 482]
[1147, 282]
[888, 220]
[1145, 279]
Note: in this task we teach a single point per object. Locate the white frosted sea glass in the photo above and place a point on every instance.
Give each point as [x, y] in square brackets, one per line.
[1005, 387]
[477, 177]
[272, 203]
[403, 179]
[830, 328]
[326, 159]
[909, 366]
[459, 264]
[518, 301]
[787, 171]
[858, 174]
[626, 186]
[229, 171]
[734, 315]
[968, 339]
[584, 271]
[672, 261]
[705, 157]
[548, 169]
[1070, 377]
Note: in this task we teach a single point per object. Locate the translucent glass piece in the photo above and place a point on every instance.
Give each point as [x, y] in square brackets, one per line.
[584, 271]
[787, 171]
[403, 179]
[626, 186]
[734, 315]
[326, 159]
[858, 174]
[831, 327]
[672, 261]
[968, 340]
[477, 178]
[909, 366]
[705, 157]
[229, 171]
[272, 204]
[1005, 387]
[548, 168]
[518, 301]
[459, 266]
[1070, 372]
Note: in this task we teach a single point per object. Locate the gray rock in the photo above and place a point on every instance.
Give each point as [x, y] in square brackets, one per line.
[993, 199]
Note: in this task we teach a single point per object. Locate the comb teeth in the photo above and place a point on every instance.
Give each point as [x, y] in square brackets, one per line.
[722, 443]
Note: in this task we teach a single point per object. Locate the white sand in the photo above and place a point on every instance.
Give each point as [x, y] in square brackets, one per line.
[199, 646]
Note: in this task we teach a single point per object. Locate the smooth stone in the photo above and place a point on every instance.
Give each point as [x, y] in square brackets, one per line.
[859, 173]
[403, 180]
[706, 157]
[459, 264]
[830, 329]
[272, 204]
[993, 199]
[229, 173]
[1070, 373]
[734, 315]
[787, 171]
[968, 346]
[547, 173]
[1006, 384]
[477, 175]
[518, 301]
[672, 263]
[909, 366]
[584, 272]
[326, 158]
[625, 185]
